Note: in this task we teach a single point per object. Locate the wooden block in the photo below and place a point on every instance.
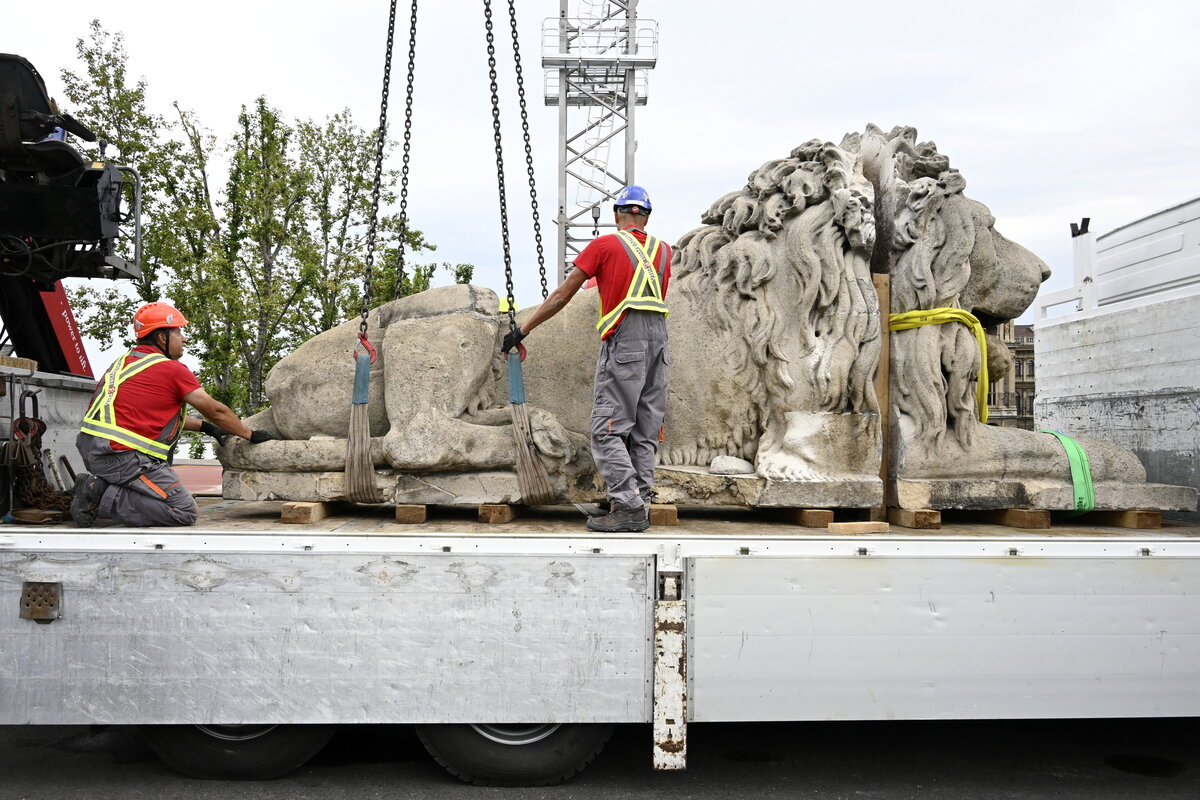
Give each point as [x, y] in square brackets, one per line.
[810, 517]
[411, 514]
[1141, 520]
[496, 514]
[1017, 517]
[664, 514]
[859, 527]
[19, 363]
[303, 512]
[920, 518]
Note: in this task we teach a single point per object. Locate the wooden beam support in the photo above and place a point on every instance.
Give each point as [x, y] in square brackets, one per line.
[302, 513]
[664, 514]
[411, 514]
[810, 517]
[497, 513]
[1140, 520]
[1017, 517]
[859, 527]
[925, 519]
[883, 291]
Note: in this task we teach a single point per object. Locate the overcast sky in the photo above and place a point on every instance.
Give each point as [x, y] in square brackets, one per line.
[1052, 110]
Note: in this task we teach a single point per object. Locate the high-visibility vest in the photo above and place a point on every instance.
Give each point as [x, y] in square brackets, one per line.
[101, 417]
[645, 290]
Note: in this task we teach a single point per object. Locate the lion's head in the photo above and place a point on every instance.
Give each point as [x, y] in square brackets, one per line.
[942, 250]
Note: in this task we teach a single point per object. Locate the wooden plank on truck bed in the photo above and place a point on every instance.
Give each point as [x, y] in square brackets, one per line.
[811, 517]
[1133, 518]
[859, 527]
[300, 513]
[408, 514]
[664, 514]
[498, 513]
[918, 518]
[1031, 518]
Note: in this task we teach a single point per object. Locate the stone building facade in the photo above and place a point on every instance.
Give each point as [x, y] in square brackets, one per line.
[1010, 399]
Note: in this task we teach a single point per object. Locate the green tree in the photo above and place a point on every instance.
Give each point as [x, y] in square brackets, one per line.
[265, 261]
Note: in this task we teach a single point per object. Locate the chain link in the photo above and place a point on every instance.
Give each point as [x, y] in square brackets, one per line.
[408, 107]
[537, 222]
[495, 89]
[380, 143]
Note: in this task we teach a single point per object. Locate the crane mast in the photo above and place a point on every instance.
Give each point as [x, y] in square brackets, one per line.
[597, 55]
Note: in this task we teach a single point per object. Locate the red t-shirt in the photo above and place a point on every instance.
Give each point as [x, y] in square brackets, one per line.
[605, 260]
[150, 400]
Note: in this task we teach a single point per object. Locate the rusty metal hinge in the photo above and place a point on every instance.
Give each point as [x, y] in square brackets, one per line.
[41, 602]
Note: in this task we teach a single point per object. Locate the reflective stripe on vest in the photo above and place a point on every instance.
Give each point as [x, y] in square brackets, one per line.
[645, 289]
[101, 417]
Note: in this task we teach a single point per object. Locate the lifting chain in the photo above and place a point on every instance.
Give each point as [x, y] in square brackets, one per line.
[408, 107]
[380, 143]
[508, 273]
[537, 222]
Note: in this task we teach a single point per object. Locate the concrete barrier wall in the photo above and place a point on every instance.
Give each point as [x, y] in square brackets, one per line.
[1132, 376]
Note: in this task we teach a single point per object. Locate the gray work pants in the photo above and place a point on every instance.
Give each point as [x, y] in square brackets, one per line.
[631, 400]
[144, 490]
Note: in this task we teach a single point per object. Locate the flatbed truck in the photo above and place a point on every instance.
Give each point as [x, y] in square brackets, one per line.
[237, 645]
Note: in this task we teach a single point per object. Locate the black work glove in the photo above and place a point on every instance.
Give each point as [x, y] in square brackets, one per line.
[216, 432]
[512, 339]
[258, 437]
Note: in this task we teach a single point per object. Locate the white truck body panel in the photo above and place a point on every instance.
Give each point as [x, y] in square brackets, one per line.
[943, 637]
[203, 626]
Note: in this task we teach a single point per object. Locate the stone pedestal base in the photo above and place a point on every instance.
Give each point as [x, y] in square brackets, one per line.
[980, 495]
[681, 486]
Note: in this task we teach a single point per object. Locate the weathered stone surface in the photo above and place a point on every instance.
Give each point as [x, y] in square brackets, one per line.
[775, 340]
[976, 495]
[683, 486]
[730, 465]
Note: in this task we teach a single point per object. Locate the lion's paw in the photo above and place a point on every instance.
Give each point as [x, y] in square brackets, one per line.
[781, 466]
[550, 436]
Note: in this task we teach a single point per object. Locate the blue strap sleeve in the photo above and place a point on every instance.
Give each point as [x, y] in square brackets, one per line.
[362, 378]
[516, 379]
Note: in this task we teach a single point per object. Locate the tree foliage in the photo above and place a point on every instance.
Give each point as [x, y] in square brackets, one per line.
[270, 258]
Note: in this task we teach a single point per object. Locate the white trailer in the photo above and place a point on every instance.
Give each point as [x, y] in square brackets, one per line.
[238, 645]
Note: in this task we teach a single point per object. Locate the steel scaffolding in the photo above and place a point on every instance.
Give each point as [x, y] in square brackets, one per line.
[596, 61]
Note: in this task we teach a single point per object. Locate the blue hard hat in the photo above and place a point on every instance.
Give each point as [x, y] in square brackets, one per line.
[633, 196]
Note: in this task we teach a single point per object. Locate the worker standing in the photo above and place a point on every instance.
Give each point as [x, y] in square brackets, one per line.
[632, 270]
[135, 417]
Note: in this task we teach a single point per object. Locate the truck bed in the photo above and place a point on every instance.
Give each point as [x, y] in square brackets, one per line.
[235, 517]
[244, 619]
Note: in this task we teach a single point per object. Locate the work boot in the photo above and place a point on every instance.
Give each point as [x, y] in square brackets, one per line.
[629, 520]
[86, 503]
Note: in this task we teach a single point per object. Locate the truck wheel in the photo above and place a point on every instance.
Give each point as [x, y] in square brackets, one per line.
[514, 755]
[236, 752]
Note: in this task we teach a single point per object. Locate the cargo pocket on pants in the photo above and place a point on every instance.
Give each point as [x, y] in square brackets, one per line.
[630, 366]
[602, 420]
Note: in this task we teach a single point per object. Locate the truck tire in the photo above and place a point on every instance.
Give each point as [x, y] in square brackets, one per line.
[236, 752]
[514, 755]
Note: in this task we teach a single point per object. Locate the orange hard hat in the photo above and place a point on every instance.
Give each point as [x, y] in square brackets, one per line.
[153, 316]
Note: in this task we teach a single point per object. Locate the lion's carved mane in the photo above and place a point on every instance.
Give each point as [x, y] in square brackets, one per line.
[781, 268]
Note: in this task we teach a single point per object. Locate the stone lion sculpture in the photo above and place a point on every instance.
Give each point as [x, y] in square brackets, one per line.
[775, 342]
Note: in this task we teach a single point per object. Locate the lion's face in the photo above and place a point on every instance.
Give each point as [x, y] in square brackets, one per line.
[1004, 275]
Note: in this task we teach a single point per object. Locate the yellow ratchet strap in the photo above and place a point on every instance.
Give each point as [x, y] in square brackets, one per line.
[936, 316]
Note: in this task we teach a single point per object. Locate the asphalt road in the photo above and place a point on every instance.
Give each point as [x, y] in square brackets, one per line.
[1096, 760]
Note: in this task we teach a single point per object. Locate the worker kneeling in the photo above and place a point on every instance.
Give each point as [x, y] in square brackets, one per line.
[135, 417]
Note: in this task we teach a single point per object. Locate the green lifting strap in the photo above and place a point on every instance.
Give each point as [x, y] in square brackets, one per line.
[1081, 474]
